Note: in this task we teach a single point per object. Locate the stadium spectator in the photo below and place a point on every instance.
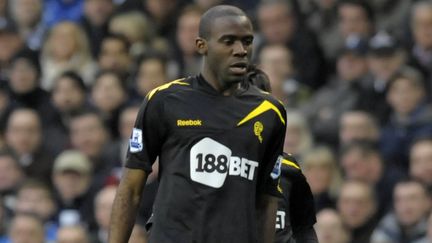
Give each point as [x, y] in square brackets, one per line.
[357, 125]
[114, 55]
[411, 116]
[108, 95]
[66, 49]
[11, 176]
[277, 62]
[103, 204]
[72, 234]
[361, 160]
[408, 222]
[152, 73]
[10, 43]
[96, 15]
[421, 27]
[185, 54]
[357, 207]
[90, 136]
[330, 228]
[421, 161]
[164, 15]
[385, 58]
[68, 97]
[72, 176]
[34, 197]
[126, 122]
[298, 137]
[139, 31]
[27, 17]
[323, 111]
[278, 25]
[323, 20]
[355, 18]
[323, 175]
[23, 136]
[24, 82]
[26, 228]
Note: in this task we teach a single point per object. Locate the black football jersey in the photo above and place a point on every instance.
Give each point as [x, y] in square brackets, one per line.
[296, 209]
[216, 155]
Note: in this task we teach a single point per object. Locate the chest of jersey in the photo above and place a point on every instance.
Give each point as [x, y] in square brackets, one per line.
[220, 137]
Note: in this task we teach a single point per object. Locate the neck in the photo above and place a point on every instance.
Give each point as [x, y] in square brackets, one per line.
[226, 90]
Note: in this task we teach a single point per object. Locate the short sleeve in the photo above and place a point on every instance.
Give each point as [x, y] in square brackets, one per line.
[147, 135]
[268, 180]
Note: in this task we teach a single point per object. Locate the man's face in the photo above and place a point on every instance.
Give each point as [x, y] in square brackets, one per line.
[351, 67]
[114, 56]
[187, 31]
[67, 96]
[151, 74]
[71, 184]
[229, 49]
[98, 11]
[103, 206]
[27, 12]
[404, 97]
[329, 227]
[384, 67]
[276, 23]
[35, 200]
[422, 27]
[421, 161]
[411, 203]
[10, 174]
[107, 93]
[353, 21]
[23, 76]
[276, 62]
[71, 235]
[25, 229]
[355, 204]
[88, 135]
[23, 132]
[357, 125]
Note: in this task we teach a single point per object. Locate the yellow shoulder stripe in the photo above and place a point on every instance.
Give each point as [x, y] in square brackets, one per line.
[166, 86]
[263, 107]
[290, 163]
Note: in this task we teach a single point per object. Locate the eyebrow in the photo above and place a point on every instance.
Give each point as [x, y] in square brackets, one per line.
[236, 37]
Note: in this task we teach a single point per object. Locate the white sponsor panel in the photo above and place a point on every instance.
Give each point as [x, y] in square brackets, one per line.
[209, 162]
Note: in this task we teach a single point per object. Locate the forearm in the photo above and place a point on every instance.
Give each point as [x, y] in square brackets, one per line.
[124, 210]
[305, 235]
[267, 207]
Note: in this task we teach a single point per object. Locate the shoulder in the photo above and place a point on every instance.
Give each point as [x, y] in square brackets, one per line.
[268, 102]
[169, 88]
[290, 162]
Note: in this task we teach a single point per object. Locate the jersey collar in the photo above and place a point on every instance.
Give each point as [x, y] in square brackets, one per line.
[204, 85]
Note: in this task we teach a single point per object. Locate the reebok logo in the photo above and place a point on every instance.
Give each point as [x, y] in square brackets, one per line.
[189, 123]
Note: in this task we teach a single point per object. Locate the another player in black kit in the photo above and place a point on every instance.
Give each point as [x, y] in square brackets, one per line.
[296, 209]
[219, 144]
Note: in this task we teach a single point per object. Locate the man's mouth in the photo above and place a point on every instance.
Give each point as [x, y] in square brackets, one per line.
[239, 68]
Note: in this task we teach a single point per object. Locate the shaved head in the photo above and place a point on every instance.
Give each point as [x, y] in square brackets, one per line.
[215, 12]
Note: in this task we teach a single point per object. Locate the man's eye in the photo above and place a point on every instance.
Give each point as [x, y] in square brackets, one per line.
[247, 42]
[228, 41]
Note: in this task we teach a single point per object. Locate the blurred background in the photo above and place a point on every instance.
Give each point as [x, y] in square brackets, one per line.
[354, 75]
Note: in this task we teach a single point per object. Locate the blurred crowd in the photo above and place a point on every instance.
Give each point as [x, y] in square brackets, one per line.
[354, 75]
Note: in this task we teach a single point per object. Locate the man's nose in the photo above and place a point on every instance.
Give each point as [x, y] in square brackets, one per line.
[239, 49]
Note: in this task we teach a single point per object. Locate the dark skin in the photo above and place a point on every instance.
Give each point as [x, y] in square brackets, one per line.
[225, 52]
[229, 43]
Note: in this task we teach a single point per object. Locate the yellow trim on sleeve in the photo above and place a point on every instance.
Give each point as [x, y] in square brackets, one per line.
[290, 163]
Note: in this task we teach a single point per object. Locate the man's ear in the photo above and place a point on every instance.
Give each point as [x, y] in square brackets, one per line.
[201, 45]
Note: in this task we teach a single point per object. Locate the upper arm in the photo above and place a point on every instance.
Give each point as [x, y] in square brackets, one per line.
[147, 135]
